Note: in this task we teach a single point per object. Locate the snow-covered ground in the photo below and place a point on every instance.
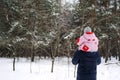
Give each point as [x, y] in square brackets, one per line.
[41, 70]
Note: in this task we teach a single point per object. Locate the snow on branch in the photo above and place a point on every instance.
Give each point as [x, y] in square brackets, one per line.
[13, 24]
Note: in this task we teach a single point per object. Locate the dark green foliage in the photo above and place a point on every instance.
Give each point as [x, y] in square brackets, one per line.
[40, 26]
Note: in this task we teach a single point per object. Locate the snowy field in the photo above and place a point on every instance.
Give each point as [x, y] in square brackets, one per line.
[41, 70]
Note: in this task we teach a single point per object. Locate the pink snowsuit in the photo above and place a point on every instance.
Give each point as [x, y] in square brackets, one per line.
[88, 42]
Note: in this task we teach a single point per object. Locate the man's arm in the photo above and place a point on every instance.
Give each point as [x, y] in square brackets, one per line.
[75, 58]
[99, 59]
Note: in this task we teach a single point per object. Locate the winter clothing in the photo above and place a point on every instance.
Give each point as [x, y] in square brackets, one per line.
[88, 41]
[88, 62]
[87, 29]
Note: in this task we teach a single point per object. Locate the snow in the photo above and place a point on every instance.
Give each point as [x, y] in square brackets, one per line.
[14, 24]
[103, 36]
[41, 70]
[69, 36]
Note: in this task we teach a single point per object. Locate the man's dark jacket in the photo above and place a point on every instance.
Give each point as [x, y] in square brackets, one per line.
[87, 64]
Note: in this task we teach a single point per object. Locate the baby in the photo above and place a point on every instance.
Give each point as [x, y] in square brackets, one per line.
[88, 42]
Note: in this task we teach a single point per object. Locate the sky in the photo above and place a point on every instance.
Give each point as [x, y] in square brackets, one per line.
[70, 1]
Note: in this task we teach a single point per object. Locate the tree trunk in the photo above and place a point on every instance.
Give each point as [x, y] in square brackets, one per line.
[60, 5]
[32, 55]
[32, 58]
[13, 61]
[107, 50]
[53, 60]
[118, 49]
[93, 13]
[75, 71]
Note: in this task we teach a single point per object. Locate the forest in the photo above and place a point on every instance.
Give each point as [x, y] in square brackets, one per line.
[49, 28]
